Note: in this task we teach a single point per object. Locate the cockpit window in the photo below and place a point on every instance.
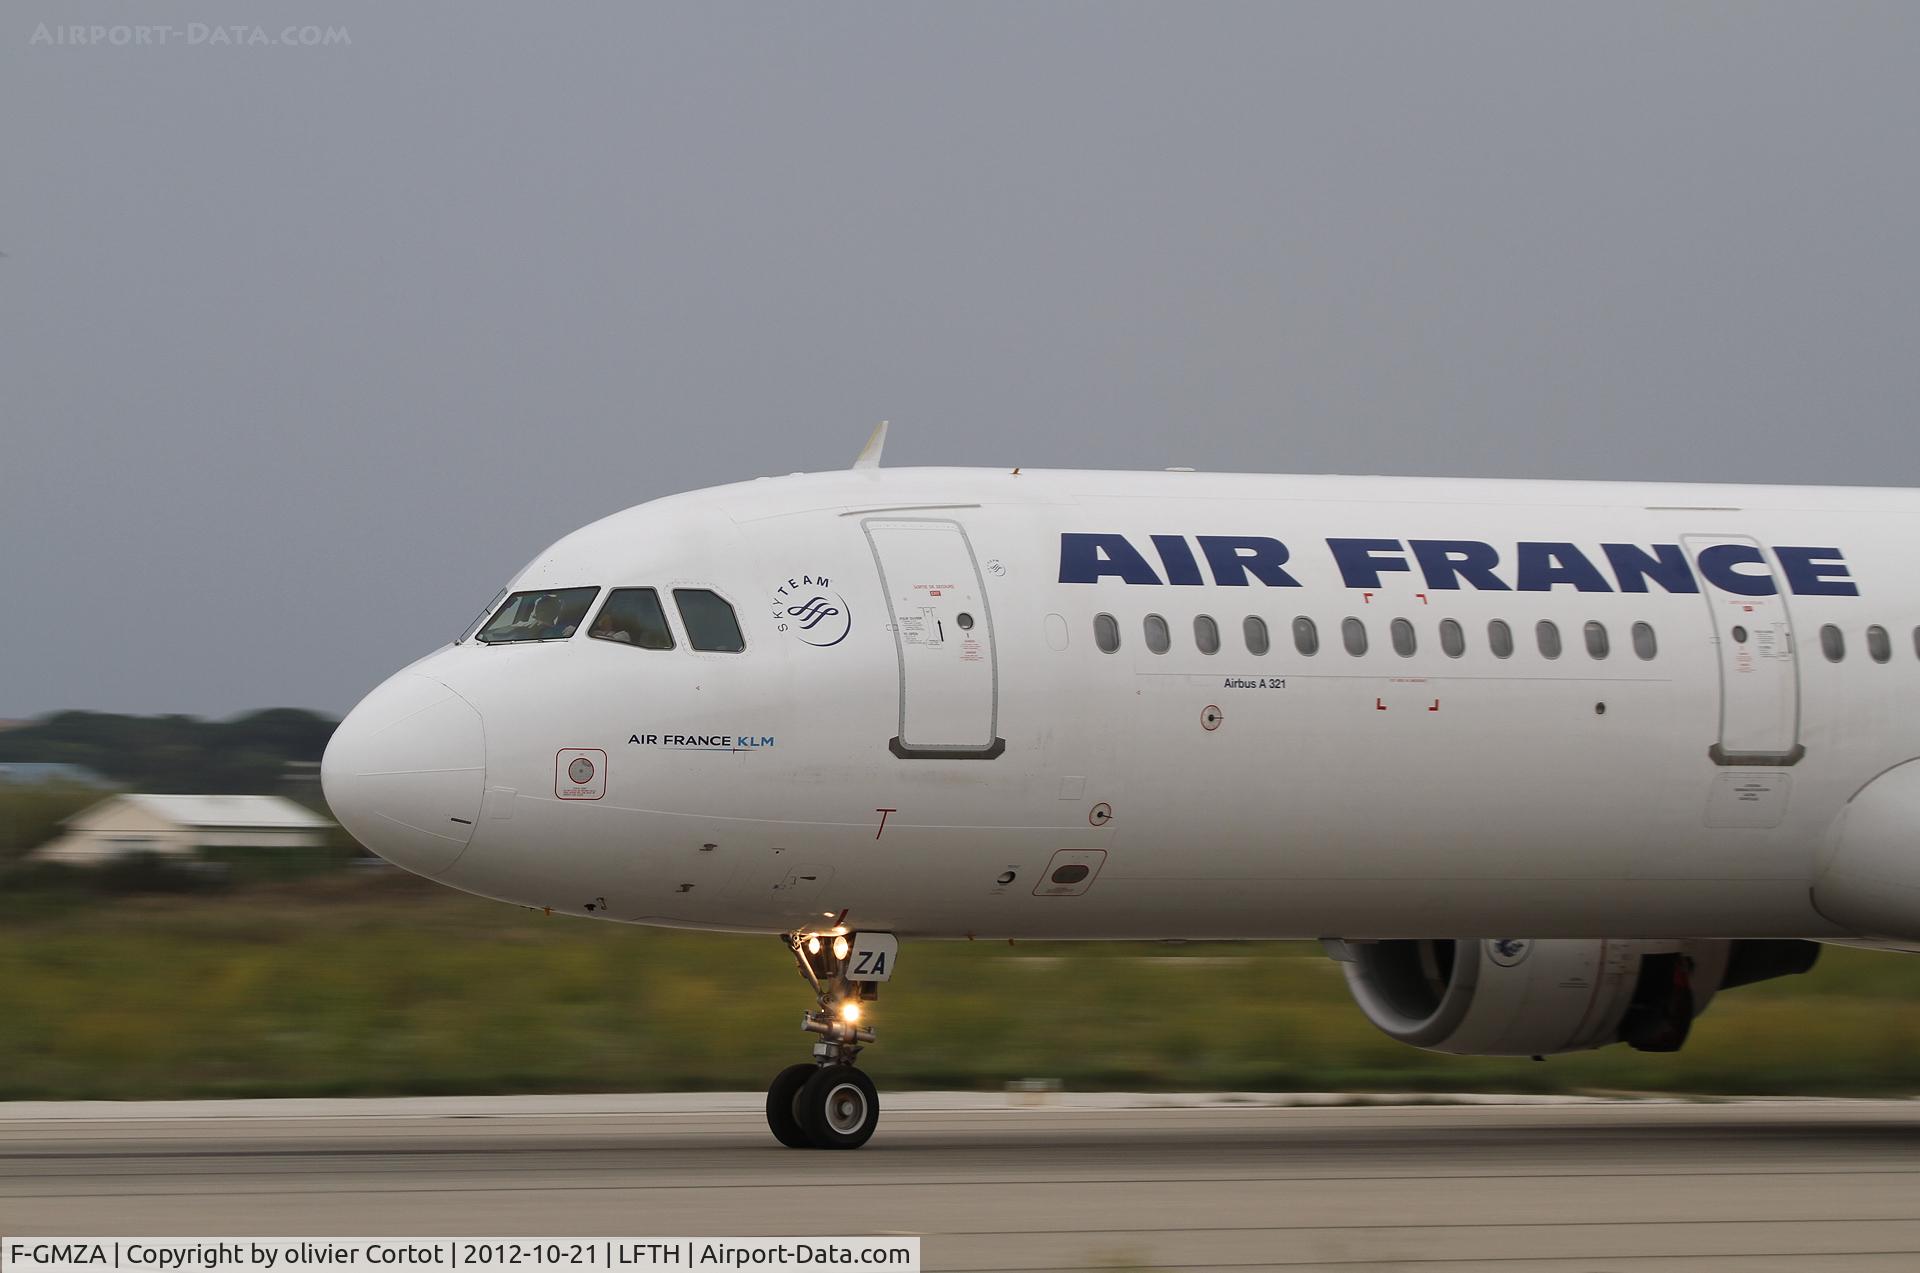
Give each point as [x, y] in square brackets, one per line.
[635, 616]
[710, 621]
[551, 614]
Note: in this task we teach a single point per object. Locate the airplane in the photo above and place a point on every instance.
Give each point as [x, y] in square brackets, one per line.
[1667, 731]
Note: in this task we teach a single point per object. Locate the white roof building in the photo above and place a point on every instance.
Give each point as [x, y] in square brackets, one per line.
[181, 826]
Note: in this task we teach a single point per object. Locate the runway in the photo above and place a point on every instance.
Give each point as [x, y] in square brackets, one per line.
[1076, 1182]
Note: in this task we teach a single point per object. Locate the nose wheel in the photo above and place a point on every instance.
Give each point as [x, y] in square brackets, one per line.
[783, 1105]
[829, 1102]
[838, 1107]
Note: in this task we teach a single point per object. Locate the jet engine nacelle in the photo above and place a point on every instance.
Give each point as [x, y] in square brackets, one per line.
[1521, 997]
[1870, 872]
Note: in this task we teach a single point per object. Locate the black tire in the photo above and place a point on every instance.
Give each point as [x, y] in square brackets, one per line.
[781, 1096]
[838, 1107]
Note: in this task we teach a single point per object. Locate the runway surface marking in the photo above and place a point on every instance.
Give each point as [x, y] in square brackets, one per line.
[1103, 1183]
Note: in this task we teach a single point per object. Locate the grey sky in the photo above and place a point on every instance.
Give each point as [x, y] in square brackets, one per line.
[304, 350]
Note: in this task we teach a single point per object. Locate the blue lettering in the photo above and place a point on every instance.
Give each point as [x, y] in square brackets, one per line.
[1666, 565]
[1359, 566]
[1234, 557]
[1451, 564]
[1177, 556]
[1445, 562]
[1085, 558]
[1717, 565]
[1817, 572]
[1544, 566]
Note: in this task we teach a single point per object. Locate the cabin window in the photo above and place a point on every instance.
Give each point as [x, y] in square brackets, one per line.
[1453, 638]
[1916, 643]
[1879, 644]
[1254, 628]
[1500, 639]
[1599, 644]
[1206, 634]
[1547, 633]
[1306, 636]
[1159, 639]
[1106, 633]
[1353, 633]
[1833, 643]
[709, 620]
[552, 614]
[633, 616]
[1644, 643]
[1403, 639]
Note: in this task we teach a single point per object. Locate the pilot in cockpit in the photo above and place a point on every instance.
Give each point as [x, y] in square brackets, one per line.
[546, 623]
[612, 625]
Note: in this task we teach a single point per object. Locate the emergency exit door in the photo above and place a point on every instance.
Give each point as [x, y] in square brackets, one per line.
[943, 635]
[1759, 666]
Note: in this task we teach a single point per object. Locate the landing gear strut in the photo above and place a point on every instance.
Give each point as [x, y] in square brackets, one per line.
[827, 1103]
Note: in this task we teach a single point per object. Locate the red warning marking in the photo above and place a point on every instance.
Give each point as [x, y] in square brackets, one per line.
[1422, 596]
[1379, 706]
[1366, 598]
[883, 820]
[1435, 707]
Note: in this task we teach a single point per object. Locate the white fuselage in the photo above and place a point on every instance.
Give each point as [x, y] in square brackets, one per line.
[922, 731]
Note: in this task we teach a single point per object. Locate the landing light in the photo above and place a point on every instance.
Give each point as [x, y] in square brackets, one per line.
[840, 948]
[813, 945]
[850, 1012]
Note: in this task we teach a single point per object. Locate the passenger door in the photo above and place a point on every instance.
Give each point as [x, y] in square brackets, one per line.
[943, 635]
[1759, 668]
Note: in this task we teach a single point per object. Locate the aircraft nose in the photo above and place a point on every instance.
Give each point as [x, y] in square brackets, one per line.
[405, 773]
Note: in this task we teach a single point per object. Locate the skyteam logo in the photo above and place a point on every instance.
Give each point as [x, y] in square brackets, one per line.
[809, 608]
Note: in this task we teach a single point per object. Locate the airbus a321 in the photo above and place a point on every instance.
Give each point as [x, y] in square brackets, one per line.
[1667, 732]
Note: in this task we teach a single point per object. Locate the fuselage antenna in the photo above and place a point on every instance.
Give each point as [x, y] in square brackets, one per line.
[869, 457]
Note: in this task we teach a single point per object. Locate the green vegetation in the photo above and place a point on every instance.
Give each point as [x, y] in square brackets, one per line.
[247, 755]
[30, 815]
[370, 982]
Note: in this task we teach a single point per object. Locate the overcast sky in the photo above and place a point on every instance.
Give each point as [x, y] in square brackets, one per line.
[304, 349]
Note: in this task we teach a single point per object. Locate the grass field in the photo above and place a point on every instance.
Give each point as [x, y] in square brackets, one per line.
[380, 984]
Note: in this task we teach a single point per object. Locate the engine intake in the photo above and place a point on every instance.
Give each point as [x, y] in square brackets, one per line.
[1524, 997]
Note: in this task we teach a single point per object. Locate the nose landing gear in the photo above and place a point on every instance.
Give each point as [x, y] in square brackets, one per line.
[829, 1103]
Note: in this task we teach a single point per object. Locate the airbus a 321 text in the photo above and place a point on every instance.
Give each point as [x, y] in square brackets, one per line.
[1666, 732]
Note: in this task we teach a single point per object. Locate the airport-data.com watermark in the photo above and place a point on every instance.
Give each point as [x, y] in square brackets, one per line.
[73, 35]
